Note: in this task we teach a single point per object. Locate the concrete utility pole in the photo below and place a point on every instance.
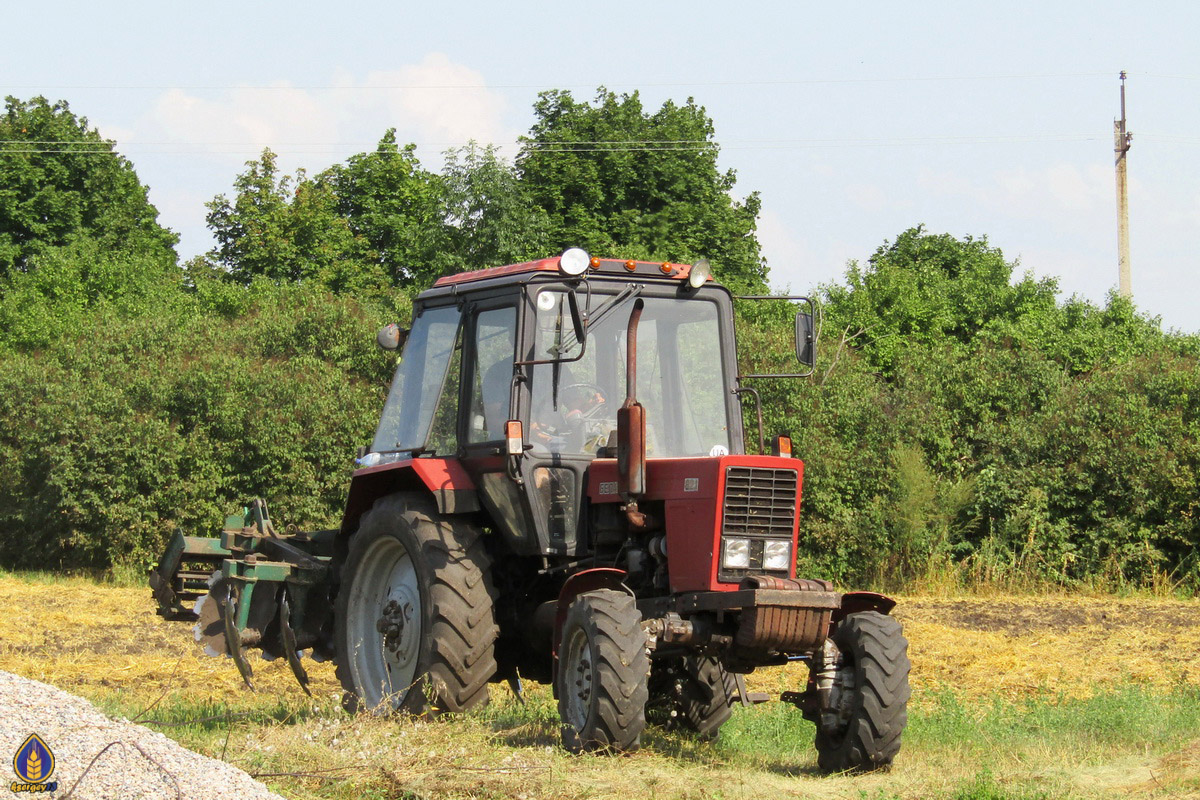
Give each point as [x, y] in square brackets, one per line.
[1122, 139]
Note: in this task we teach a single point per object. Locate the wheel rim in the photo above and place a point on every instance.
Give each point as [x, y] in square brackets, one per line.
[836, 720]
[384, 624]
[579, 678]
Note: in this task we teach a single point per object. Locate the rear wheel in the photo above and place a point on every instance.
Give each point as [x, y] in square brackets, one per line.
[414, 619]
[602, 673]
[694, 693]
[868, 707]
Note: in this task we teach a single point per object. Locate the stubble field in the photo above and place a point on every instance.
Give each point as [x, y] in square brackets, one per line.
[1013, 697]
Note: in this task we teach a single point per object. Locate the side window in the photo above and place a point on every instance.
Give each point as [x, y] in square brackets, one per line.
[418, 381]
[443, 436]
[495, 339]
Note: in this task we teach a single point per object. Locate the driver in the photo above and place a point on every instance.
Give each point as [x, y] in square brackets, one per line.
[562, 410]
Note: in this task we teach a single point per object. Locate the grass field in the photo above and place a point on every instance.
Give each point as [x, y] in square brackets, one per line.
[1013, 697]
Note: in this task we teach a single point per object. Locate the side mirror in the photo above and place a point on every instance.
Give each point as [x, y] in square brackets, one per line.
[391, 337]
[806, 341]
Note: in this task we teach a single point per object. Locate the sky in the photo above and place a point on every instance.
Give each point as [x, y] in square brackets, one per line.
[853, 121]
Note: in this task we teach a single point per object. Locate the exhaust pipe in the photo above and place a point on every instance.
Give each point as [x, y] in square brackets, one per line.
[631, 431]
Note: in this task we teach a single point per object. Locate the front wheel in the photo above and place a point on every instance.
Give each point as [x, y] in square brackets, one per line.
[694, 693]
[602, 672]
[414, 621]
[860, 728]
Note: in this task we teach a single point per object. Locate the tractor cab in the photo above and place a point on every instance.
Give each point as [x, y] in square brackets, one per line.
[499, 349]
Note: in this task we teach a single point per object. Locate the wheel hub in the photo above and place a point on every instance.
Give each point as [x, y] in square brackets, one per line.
[394, 623]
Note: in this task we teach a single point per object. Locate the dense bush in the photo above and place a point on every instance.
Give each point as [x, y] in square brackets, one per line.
[965, 426]
[126, 426]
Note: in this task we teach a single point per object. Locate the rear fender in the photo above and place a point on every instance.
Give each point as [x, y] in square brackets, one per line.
[443, 478]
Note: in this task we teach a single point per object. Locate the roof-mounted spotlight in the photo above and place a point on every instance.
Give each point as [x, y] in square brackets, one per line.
[574, 261]
[700, 272]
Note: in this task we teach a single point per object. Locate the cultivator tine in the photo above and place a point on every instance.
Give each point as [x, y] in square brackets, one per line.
[289, 642]
[210, 627]
[233, 641]
[518, 690]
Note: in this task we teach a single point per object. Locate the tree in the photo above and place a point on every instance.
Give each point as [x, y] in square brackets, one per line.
[618, 180]
[288, 229]
[394, 206]
[926, 289]
[60, 181]
[489, 215]
[355, 227]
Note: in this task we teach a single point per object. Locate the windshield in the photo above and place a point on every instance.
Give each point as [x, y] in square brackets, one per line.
[679, 379]
[418, 383]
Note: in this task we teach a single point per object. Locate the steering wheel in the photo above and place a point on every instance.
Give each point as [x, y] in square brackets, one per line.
[594, 399]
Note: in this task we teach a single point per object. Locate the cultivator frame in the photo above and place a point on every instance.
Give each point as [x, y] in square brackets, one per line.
[251, 587]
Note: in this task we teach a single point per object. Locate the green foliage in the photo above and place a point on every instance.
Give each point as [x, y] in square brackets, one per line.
[393, 207]
[618, 180]
[123, 428]
[288, 229]
[490, 216]
[609, 177]
[60, 181]
[962, 425]
[64, 286]
[965, 427]
[928, 289]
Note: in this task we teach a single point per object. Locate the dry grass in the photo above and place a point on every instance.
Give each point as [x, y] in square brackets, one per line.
[1028, 646]
[993, 679]
[99, 640]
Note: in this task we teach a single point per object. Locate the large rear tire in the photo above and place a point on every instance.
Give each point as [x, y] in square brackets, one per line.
[861, 729]
[602, 672]
[414, 621]
[693, 693]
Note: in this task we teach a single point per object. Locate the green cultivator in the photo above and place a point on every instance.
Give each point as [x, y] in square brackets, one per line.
[252, 587]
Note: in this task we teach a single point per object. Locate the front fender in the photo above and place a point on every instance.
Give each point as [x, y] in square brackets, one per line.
[854, 602]
[587, 581]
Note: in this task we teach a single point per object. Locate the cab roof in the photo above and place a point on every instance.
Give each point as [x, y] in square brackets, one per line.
[601, 266]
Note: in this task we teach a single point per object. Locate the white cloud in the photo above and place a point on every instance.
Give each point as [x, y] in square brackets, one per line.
[207, 136]
[436, 103]
[452, 108]
[244, 120]
[787, 256]
[795, 266]
[870, 197]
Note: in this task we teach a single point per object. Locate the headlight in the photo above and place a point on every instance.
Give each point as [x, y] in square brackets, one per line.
[736, 554]
[777, 554]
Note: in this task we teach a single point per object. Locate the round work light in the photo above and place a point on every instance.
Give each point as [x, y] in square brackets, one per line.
[574, 261]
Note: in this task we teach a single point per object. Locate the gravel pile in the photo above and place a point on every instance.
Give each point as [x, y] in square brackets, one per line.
[142, 763]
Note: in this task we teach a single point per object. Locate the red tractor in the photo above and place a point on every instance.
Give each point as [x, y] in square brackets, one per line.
[558, 490]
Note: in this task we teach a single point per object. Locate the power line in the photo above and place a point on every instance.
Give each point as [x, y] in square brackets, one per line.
[643, 146]
[544, 86]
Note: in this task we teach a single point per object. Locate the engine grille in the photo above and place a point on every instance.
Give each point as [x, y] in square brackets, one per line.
[760, 505]
[759, 502]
